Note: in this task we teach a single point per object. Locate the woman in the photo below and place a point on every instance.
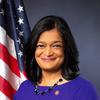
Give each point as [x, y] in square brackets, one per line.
[53, 65]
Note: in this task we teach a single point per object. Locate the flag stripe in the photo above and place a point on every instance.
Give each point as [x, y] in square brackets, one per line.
[5, 72]
[14, 36]
[7, 58]
[3, 96]
[6, 89]
[9, 43]
[23, 75]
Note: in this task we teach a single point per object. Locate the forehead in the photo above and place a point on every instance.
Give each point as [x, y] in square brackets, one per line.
[51, 35]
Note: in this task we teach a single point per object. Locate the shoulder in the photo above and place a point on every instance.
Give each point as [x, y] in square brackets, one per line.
[86, 89]
[23, 89]
[83, 81]
[25, 84]
[85, 84]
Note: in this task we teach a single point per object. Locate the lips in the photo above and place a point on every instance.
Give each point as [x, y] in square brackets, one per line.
[48, 58]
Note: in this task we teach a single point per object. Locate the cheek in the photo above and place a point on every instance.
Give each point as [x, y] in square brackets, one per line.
[37, 53]
[59, 53]
[60, 56]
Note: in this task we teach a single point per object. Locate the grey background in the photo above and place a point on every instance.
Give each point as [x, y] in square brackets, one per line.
[83, 17]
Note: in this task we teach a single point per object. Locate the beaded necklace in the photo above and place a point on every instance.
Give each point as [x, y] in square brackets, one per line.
[38, 92]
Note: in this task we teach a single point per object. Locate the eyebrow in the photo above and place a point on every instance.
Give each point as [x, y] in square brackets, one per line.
[51, 42]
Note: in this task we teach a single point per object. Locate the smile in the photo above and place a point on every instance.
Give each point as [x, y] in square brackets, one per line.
[48, 58]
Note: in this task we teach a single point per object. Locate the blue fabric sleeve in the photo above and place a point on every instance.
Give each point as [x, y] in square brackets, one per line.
[87, 92]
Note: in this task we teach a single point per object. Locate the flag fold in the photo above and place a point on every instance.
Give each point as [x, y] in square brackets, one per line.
[14, 35]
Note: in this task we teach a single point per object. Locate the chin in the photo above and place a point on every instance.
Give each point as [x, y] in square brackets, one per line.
[50, 68]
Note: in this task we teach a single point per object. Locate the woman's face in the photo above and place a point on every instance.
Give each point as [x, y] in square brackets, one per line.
[49, 52]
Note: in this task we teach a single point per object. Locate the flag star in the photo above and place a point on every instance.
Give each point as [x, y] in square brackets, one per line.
[20, 8]
[20, 53]
[21, 33]
[16, 28]
[2, 12]
[18, 40]
[20, 21]
[22, 46]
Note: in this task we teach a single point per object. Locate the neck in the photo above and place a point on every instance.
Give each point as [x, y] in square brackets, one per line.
[49, 78]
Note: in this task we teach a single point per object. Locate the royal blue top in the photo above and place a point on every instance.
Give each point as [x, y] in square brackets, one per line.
[77, 89]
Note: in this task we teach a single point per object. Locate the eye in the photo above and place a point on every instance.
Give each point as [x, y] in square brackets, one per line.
[57, 46]
[40, 46]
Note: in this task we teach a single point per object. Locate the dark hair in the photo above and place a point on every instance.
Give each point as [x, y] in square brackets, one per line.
[70, 66]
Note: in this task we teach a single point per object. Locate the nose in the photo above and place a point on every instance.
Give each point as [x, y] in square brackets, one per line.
[48, 51]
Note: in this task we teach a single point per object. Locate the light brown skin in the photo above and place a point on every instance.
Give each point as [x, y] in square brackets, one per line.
[49, 55]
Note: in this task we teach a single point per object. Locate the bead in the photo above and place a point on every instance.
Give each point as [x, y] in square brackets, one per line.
[36, 90]
[57, 92]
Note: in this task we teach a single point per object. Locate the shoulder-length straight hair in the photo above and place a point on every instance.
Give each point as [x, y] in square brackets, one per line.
[70, 66]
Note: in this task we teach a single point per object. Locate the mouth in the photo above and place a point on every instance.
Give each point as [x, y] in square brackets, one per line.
[48, 59]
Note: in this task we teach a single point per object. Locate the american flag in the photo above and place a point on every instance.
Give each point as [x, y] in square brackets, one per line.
[14, 35]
